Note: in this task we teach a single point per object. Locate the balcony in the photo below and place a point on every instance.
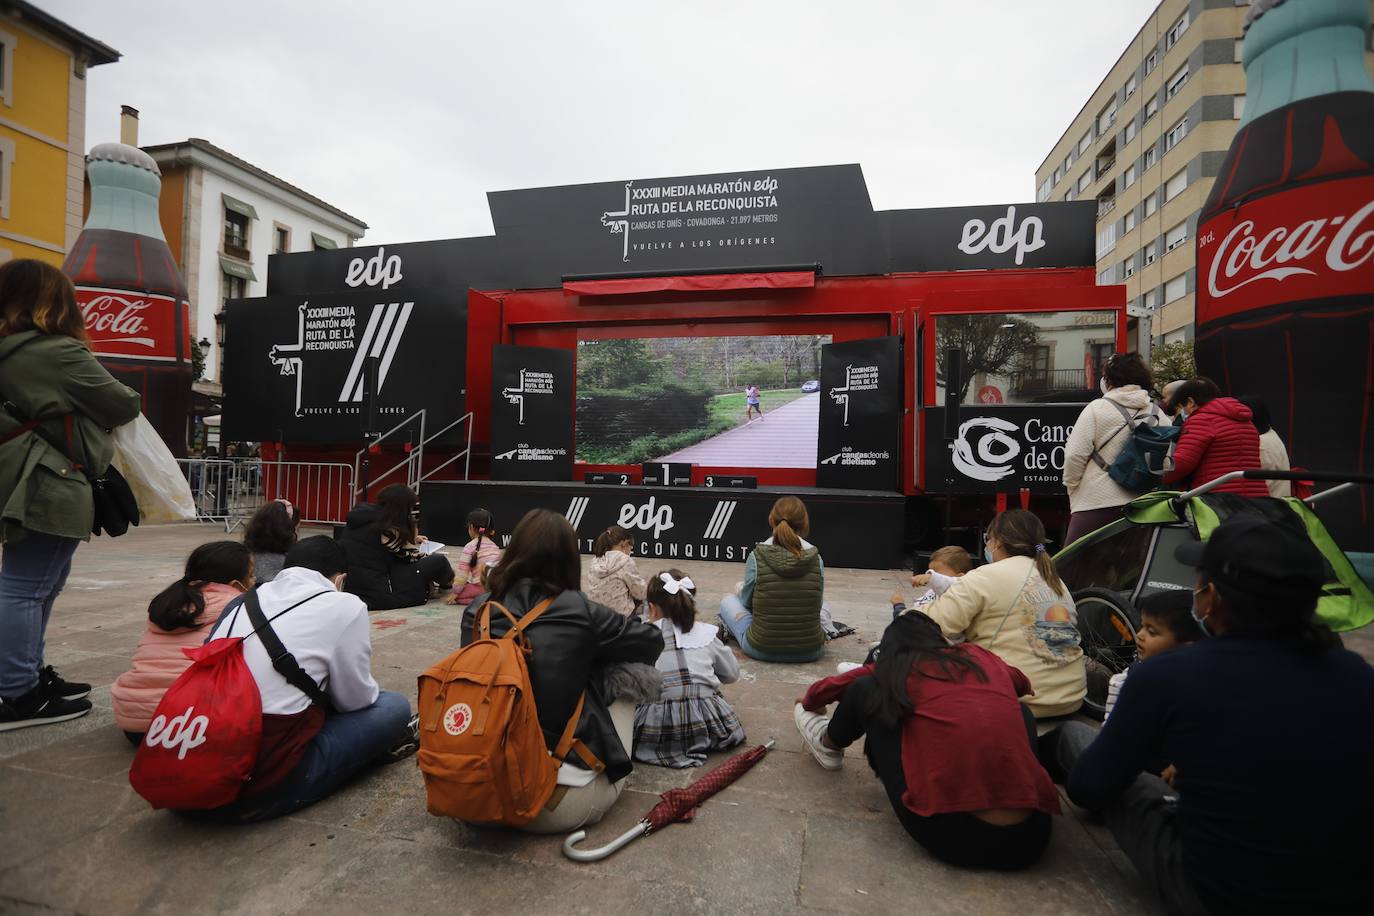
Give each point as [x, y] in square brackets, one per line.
[1105, 206]
[1040, 382]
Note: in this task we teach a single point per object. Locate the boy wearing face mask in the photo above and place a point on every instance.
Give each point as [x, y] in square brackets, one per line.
[309, 750]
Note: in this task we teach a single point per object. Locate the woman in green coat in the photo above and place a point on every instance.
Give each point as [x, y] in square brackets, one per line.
[47, 373]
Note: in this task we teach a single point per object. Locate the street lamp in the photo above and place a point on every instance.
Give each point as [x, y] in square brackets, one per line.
[219, 328]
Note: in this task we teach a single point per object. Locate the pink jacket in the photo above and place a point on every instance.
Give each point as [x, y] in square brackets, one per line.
[158, 662]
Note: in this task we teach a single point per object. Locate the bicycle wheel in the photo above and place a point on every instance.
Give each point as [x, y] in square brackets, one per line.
[1106, 626]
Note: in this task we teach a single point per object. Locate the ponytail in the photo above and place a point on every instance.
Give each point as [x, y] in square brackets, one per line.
[680, 608]
[482, 520]
[181, 603]
[1022, 534]
[790, 524]
[608, 539]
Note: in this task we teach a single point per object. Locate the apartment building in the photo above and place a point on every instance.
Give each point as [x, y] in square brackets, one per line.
[1146, 146]
[43, 67]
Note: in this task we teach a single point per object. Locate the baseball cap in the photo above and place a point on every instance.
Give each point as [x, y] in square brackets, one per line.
[1259, 556]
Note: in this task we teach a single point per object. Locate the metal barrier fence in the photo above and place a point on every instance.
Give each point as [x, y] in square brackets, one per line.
[230, 490]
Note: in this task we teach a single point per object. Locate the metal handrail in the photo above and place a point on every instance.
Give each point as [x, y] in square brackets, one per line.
[411, 461]
[466, 453]
[1338, 477]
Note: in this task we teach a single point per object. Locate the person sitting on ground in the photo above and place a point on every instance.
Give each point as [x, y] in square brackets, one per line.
[690, 718]
[1101, 432]
[612, 577]
[180, 617]
[944, 732]
[1270, 808]
[1273, 453]
[1017, 607]
[307, 751]
[269, 535]
[480, 551]
[945, 565]
[382, 542]
[776, 617]
[1217, 438]
[1166, 622]
[577, 646]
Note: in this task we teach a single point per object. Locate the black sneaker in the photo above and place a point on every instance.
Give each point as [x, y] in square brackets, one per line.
[53, 684]
[37, 708]
[408, 746]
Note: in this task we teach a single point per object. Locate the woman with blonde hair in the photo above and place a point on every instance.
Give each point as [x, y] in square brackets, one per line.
[1018, 608]
[776, 617]
[54, 391]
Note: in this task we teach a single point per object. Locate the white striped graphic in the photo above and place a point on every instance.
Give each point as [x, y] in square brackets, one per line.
[720, 519]
[576, 509]
[382, 338]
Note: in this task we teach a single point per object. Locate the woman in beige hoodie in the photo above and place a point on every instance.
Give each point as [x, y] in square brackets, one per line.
[1018, 608]
[613, 579]
[1100, 433]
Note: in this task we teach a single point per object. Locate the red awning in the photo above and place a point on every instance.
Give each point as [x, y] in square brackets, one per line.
[791, 279]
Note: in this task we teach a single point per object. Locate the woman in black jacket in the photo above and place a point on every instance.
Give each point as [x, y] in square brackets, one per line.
[386, 568]
[577, 645]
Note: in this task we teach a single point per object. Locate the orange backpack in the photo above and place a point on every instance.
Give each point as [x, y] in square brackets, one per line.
[482, 751]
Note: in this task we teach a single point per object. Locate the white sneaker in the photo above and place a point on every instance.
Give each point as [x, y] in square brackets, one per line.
[812, 726]
[846, 667]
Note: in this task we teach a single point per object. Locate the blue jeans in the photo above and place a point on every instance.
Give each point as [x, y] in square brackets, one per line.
[32, 574]
[737, 618]
[348, 742]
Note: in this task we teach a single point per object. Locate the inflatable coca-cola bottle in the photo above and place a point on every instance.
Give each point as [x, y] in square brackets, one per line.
[1285, 250]
[130, 290]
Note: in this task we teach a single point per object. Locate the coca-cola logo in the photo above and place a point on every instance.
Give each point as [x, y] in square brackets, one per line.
[1244, 256]
[112, 316]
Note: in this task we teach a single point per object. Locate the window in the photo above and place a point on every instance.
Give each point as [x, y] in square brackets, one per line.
[1128, 178]
[1128, 268]
[1151, 61]
[1174, 186]
[1084, 180]
[1085, 142]
[235, 233]
[1106, 118]
[1151, 204]
[1130, 130]
[1238, 107]
[1176, 236]
[1106, 240]
[1071, 193]
[1130, 86]
[1043, 192]
[1068, 162]
[281, 239]
[322, 242]
[1176, 82]
[1152, 107]
[1129, 223]
[1039, 357]
[1151, 299]
[1176, 134]
[1176, 288]
[232, 287]
[1151, 157]
[1151, 253]
[6, 166]
[1058, 174]
[1106, 276]
[1173, 35]
[7, 44]
[1239, 54]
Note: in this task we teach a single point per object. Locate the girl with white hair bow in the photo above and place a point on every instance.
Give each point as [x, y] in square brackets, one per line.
[690, 718]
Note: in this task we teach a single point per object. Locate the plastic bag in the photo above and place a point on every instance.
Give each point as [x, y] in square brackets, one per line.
[162, 490]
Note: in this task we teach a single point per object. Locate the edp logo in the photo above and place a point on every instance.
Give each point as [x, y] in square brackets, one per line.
[374, 270]
[1003, 235]
[180, 733]
[648, 517]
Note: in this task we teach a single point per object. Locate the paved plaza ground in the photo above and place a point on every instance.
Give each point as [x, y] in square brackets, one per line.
[788, 837]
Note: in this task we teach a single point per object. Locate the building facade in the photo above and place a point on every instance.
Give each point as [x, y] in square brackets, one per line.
[223, 217]
[43, 65]
[1146, 146]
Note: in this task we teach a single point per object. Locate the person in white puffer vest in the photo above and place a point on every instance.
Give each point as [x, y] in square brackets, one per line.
[1100, 433]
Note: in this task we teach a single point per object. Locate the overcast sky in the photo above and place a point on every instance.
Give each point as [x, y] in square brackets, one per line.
[406, 113]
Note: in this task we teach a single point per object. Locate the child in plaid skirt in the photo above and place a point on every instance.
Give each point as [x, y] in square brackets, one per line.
[690, 718]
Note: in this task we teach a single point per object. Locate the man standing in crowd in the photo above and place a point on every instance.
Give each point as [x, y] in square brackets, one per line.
[308, 751]
[1262, 731]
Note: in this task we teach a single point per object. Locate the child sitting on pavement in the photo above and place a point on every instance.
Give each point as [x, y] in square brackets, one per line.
[612, 578]
[690, 718]
[1166, 622]
[946, 565]
[480, 552]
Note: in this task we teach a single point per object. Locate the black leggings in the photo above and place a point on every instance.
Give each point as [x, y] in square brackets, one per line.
[959, 839]
[436, 570]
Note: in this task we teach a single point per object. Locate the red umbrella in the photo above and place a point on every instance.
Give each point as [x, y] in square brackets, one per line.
[676, 805]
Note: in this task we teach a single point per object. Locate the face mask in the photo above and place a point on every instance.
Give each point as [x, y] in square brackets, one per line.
[1103, 385]
[1200, 621]
[987, 553]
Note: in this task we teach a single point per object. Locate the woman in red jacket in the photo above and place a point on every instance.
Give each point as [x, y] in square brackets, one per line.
[1218, 437]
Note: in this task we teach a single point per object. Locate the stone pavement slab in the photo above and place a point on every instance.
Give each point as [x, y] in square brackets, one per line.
[787, 838]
